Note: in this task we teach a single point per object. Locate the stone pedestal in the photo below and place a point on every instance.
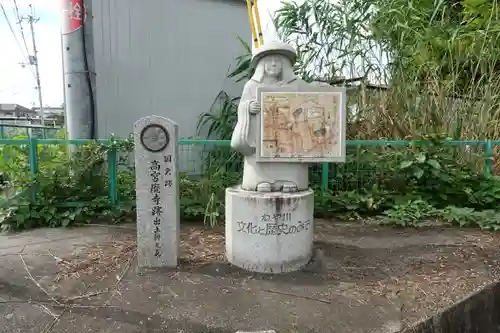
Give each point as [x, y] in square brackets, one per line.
[269, 232]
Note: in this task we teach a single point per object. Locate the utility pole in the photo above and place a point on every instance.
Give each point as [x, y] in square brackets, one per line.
[34, 62]
[78, 69]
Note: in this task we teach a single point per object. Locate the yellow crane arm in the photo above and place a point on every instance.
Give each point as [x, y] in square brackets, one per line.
[254, 17]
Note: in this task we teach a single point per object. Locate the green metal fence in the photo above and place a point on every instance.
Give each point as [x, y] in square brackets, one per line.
[326, 176]
[31, 131]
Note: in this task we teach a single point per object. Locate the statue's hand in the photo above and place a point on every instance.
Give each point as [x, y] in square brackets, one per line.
[254, 107]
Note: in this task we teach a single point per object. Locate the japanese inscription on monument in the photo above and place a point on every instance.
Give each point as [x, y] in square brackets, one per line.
[275, 224]
[157, 192]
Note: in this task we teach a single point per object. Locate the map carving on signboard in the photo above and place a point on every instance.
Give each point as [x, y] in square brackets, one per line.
[300, 124]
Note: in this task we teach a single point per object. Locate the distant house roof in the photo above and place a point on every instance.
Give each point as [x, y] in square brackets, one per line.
[50, 110]
[15, 108]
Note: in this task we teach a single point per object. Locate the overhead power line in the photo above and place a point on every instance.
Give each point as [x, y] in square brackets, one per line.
[24, 55]
[19, 21]
[31, 60]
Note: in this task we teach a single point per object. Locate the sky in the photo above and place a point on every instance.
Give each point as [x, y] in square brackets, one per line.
[17, 84]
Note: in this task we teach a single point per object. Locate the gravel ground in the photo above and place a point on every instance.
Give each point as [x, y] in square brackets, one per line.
[405, 275]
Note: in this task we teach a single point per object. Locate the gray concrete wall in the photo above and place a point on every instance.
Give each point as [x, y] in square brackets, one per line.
[168, 58]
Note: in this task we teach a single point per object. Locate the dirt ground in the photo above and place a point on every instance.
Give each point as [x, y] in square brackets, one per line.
[364, 278]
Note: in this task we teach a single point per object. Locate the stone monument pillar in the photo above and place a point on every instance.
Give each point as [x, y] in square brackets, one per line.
[284, 124]
[157, 190]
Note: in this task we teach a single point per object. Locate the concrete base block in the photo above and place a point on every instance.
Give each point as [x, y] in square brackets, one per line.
[269, 232]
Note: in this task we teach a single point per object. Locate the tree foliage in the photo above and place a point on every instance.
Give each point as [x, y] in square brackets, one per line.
[455, 41]
[439, 60]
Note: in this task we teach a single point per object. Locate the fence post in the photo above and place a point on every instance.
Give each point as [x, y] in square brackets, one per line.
[33, 163]
[112, 177]
[488, 157]
[324, 177]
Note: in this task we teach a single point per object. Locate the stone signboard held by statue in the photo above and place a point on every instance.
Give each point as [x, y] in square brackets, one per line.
[301, 126]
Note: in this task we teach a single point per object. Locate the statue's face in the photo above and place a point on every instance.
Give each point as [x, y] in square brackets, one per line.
[273, 65]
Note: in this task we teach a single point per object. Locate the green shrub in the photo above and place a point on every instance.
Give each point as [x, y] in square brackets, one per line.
[405, 186]
[70, 188]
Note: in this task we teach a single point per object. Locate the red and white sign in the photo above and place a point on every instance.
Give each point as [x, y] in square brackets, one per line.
[74, 12]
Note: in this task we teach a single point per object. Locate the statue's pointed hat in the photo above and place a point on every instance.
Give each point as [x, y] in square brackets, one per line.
[273, 47]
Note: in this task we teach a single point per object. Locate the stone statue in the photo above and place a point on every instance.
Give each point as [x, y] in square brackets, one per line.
[272, 64]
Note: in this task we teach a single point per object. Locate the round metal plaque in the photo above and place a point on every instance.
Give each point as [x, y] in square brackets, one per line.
[155, 138]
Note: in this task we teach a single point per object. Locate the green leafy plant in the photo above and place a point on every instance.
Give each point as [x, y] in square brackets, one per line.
[411, 213]
[219, 122]
[241, 71]
[70, 188]
[203, 198]
[418, 213]
[469, 217]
